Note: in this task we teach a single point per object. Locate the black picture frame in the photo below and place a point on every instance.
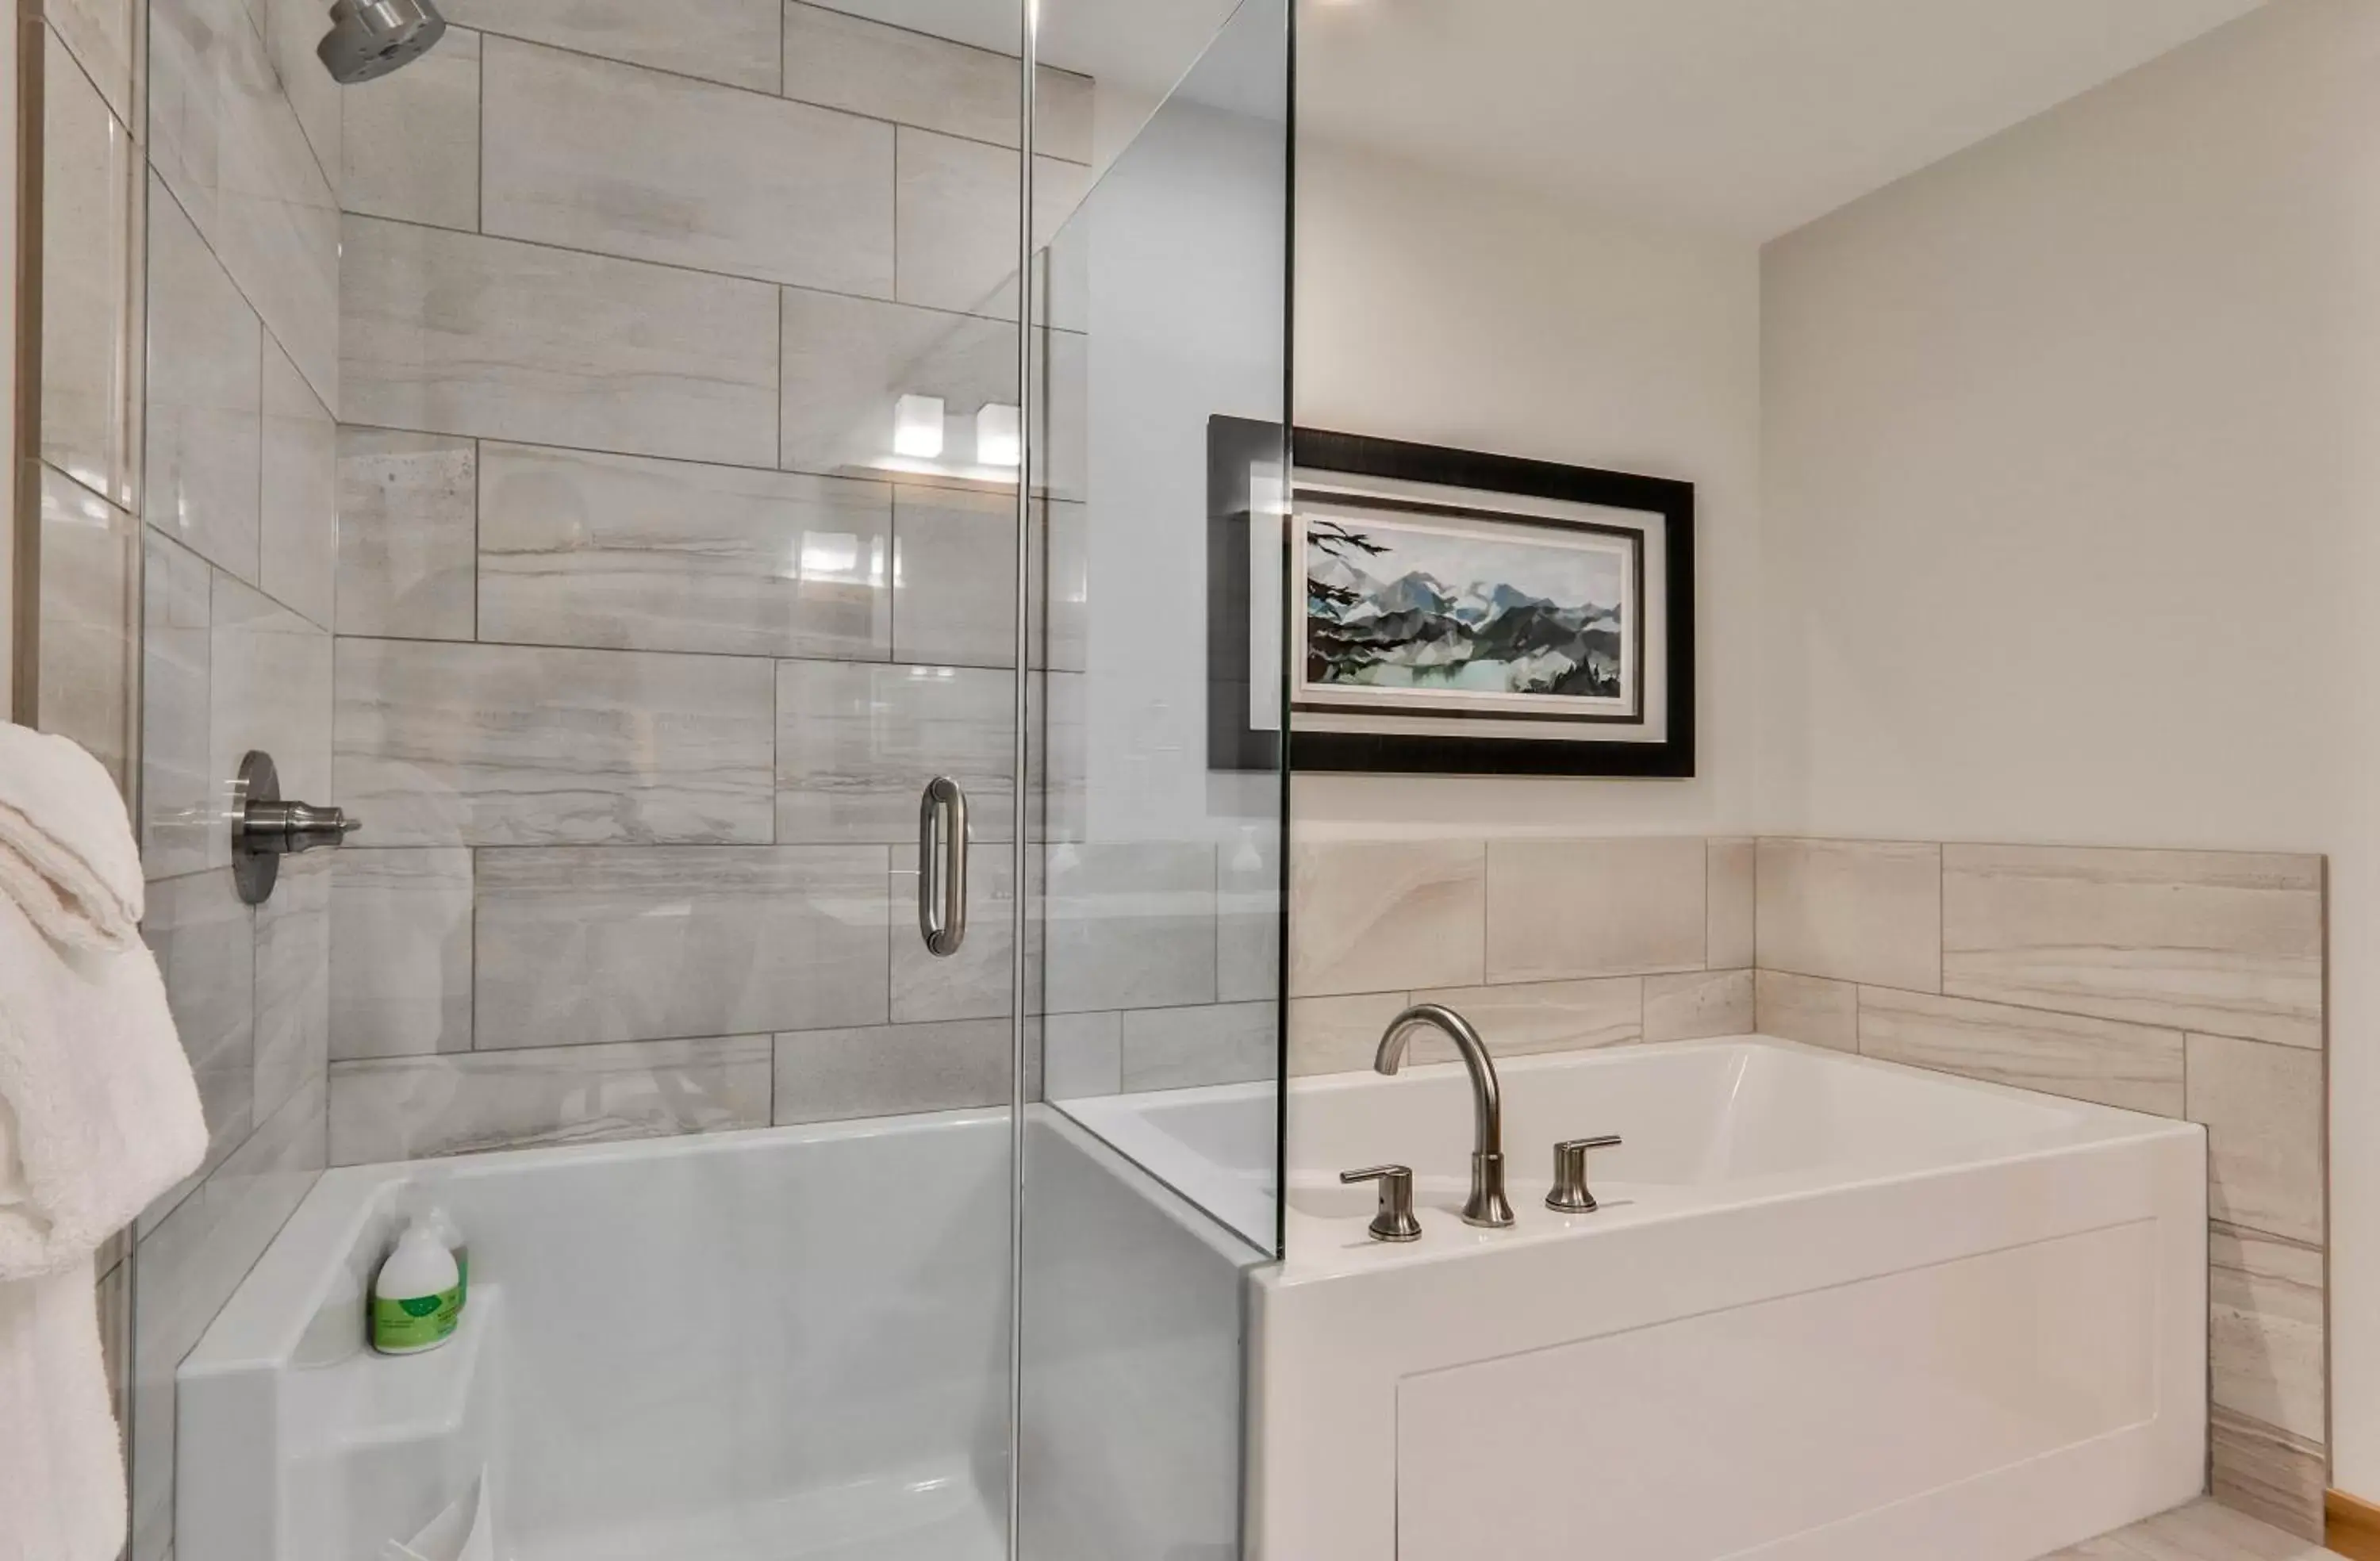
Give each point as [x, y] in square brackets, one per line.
[1237, 446]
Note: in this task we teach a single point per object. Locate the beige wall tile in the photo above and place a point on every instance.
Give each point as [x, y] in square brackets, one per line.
[1566, 909]
[1339, 1035]
[2132, 1066]
[408, 519]
[91, 182]
[1864, 911]
[1213, 1044]
[1386, 915]
[1082, 1054]
[404, 1109]
[833, 1075]
[1728, 944]
[915, 79]
[621, 161]
[412, 140]
[98, 33]
[2267, 1473]
[90, 624]
[454, 333]
[298, 493]
[738, 41]
[1699, 1004]
[2263, 1106]
[400, 952]
[2266, 1332]
[1807, 1008]
[2220, 942]
[1540, 1016]
[205, 396]
[957, 222]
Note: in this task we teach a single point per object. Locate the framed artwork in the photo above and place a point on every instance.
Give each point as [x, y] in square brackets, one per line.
[1416, 608]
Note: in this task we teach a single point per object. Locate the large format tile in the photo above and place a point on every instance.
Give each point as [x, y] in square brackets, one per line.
[1807, 1008]
[268, 690]
[593, 155]
[2224, 942]
[227, 141]
[412, 140]
[409, 520]
[298, 493]
[578, 549]
[205, 943]
[2134, 1066]
[1213, 1044]
[955, 547]
[573, 946]
[730, 40]
[89, 623]
[857, 742]
[188, 1264]
[1864, 911]
[1730, 943]
[91, 184]
[1563, 909]
[1698, 1004]
[2263, 1106]
[1541, 1016]
[1082, 1056]
[179, 823]
[1386, 915]
[98, 34]
[485, 745]
[2267, 1339]
[292, 983]
[978, 981]
[1129, 925]
[400, 952]
[2268, 1474]
[957, 221]
[888, 1069]
[868, 67]
[205, 396]
[1339, 1035]
[1248, 913]
[405, 1109]
[292, 28]
[453, 333]
[848, 360]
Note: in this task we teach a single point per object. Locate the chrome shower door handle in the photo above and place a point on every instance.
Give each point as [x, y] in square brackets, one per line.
[941, 866]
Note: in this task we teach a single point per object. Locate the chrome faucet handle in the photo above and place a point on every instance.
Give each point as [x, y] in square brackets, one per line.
[1569, 1193]
[1395, 1222]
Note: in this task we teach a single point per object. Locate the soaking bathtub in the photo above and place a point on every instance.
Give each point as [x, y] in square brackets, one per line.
[789, 1344]
[1830, 1310]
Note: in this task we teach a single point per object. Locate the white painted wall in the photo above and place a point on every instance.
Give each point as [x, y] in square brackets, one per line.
[2072, 512]
[1452, 311]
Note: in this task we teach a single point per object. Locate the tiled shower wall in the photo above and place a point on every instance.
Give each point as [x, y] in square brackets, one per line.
[2185, 984]
[643, 653]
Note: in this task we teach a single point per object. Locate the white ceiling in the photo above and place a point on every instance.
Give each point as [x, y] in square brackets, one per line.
[1748, 116]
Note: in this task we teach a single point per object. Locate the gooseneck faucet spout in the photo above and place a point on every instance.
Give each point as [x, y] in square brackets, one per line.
[1487, 1205]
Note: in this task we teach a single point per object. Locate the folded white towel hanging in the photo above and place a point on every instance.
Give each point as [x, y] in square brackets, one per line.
[67, 851]
[99, 1113]
[61, 1469]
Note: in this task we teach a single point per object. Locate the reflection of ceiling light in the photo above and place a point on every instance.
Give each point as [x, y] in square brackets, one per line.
[917, 426]
[828, 555]
[996, 444]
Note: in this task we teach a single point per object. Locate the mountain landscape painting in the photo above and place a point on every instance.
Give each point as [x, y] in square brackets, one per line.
[1447, 615]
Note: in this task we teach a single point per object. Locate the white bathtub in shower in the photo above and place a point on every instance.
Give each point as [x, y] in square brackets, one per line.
[781, 1345]
[1831, 1309]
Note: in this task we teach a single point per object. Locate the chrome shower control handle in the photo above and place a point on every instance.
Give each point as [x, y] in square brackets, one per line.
[1569, 1194]
[265, 828]
[1395, 1221]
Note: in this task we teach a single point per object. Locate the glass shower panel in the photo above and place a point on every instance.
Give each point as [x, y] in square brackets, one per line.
[1151, 1164]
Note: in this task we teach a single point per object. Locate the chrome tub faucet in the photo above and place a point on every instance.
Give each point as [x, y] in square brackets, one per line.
[1487, 1205]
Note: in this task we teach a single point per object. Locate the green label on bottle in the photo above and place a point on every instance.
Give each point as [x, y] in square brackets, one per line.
[401, 1326]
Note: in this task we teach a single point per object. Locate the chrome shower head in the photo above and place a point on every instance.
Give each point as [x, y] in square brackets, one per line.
[370, 38]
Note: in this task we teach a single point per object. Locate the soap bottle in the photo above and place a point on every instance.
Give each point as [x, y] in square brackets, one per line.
[443, 1225]
[417, 1295]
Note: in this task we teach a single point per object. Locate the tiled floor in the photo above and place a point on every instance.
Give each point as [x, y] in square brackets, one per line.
[2201, 1531]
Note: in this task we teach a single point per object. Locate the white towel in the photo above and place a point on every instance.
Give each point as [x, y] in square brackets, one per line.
[61, 1467]
[66, 852]
[96, 1096]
